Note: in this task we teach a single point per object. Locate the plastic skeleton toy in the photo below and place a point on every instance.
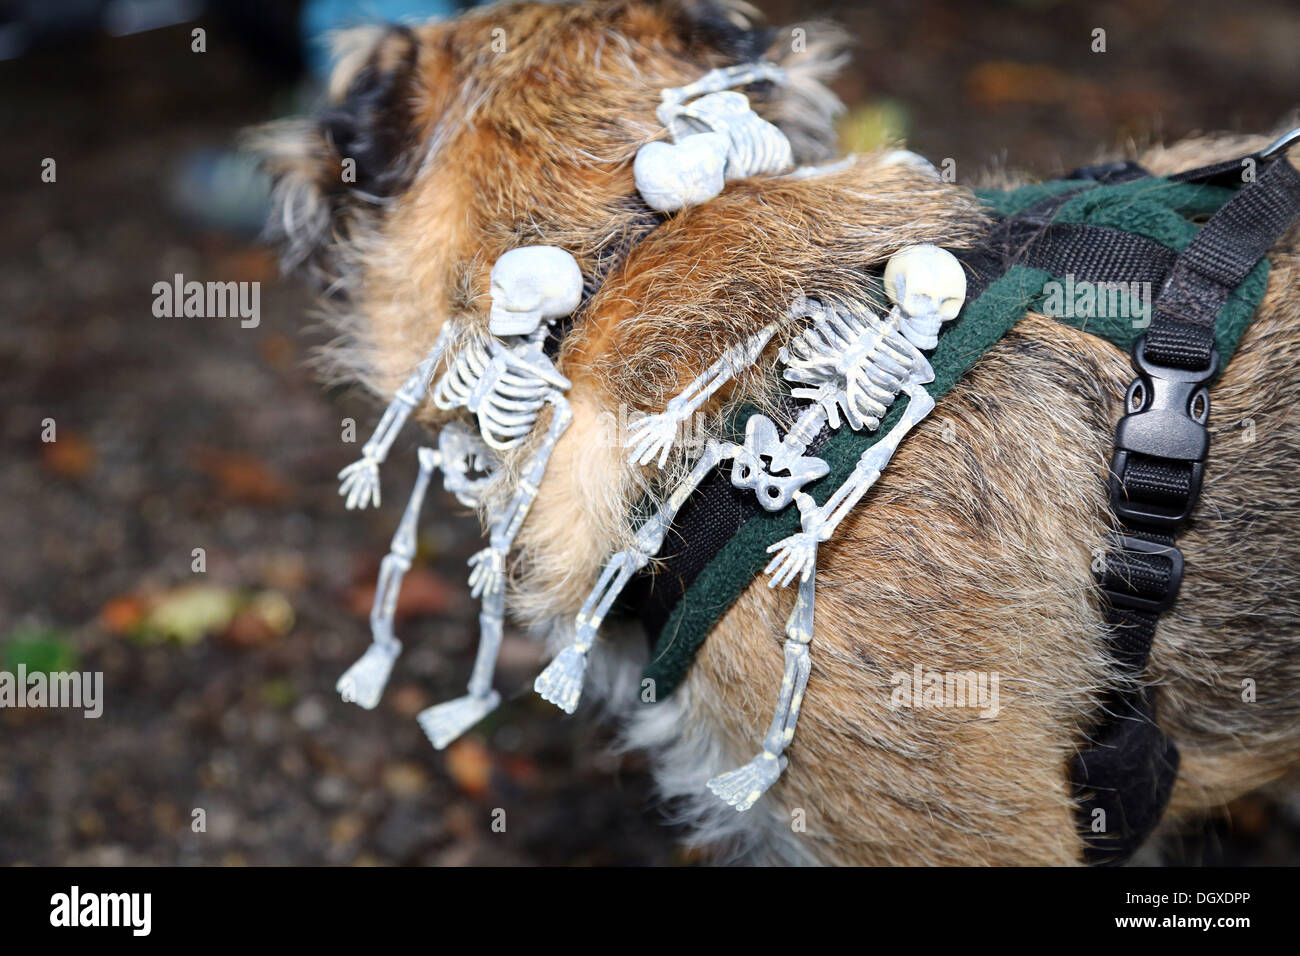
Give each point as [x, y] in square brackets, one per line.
[851, 365]
[716, 138]
[504, 379]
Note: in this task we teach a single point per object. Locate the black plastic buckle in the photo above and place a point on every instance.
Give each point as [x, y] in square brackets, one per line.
[1134, 602]
[1170, 409]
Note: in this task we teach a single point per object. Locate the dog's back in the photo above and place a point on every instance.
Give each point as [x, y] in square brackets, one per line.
[973, 553]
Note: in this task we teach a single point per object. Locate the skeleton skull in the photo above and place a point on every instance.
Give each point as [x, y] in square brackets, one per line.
[671, 176]
[929, 286]
[530, 285]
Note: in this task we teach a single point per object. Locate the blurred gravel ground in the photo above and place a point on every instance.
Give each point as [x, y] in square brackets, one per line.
[175, 434]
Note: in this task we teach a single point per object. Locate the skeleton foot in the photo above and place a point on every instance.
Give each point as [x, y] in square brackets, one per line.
[443, 723]
[561, 682]
[363, 683]
[742, 787]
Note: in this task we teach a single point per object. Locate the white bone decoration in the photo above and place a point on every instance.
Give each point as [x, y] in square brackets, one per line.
[504, 378]
[716, 138]
[850, 365]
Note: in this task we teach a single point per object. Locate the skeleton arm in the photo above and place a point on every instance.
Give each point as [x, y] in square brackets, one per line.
[561, 682]
[359, 481]
[652, 437]
[364, 681]
[723, 78]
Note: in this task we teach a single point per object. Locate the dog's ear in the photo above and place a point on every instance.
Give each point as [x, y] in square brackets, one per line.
[357, 151]
[371, 121]
[730, 27]
[804, 108]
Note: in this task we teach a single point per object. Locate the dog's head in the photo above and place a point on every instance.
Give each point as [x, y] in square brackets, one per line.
[447, 144]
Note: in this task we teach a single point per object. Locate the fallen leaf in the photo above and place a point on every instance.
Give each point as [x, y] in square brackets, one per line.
[872, 126]
[405, 779]
[470, 766]
[69, 456]
[266, 617]
[408, 700]
[123, 614]
[285, 571]
[248, 629]
[43, 651]
[189, 614]
[241, 477]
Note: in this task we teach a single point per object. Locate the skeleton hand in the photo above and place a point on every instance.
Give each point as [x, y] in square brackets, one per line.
[652, 437]
[489, 574]
[797, 555]
[359, 483]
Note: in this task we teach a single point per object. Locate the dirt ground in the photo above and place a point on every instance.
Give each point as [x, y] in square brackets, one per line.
[176, 434]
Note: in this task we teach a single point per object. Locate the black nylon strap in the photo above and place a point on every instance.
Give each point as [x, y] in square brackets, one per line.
[1216, 262]
[1124, 779]
[707, 521]
[1089, 253]
[1157, 480]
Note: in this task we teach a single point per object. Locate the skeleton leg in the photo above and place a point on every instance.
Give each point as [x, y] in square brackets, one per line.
[364, 681]
[561, 682]
[652, 437]
[797, 557]
[359, 481]
[443, 723]
[742, 787]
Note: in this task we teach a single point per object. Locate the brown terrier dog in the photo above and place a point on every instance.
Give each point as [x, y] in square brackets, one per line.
[448, 145]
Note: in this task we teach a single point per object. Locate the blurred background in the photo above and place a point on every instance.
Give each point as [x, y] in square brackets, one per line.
[175, 434]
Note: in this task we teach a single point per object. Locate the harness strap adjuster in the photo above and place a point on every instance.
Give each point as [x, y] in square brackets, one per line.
[1162, 443]
[1141, 573]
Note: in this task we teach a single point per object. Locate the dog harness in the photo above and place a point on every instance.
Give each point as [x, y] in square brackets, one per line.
[859, 381]
[1114, 224]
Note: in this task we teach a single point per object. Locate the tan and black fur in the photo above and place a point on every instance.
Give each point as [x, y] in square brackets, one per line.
[974, 549]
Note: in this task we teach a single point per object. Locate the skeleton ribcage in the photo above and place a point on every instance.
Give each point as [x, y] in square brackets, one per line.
[849, 361]
[754, 145]
[505, 394]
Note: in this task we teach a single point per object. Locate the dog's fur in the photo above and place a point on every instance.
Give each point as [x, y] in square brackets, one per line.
[973, 550]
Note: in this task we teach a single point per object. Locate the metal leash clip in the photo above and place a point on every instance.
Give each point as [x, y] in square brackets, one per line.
[1280, 145]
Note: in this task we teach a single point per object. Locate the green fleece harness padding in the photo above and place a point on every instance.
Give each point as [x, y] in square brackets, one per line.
[1156, 209]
